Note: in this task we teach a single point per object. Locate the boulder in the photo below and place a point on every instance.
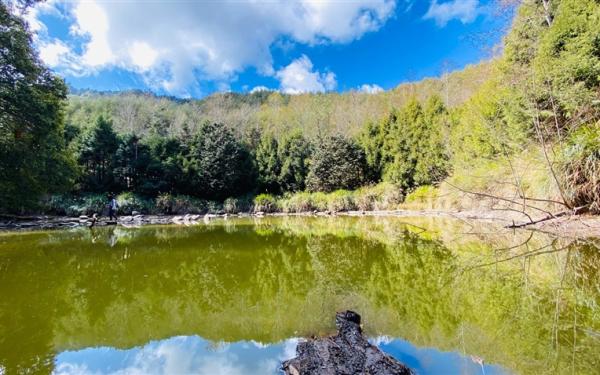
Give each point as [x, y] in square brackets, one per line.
[346, 353]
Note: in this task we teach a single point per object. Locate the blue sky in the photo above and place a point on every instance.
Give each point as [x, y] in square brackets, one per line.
[194, 48]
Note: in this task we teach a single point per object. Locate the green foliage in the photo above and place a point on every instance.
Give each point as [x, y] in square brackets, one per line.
[580, 165]
[129, 202]
[568, 60]
[422, 194]
[383, 196]
[132, 159]
[217, 164]
[237, 205]
[73, 205]
[298, 202]
[312, 115]
[282, 165]
[268, 165]
[341, 200]
[180, 204]
[337, 163]
[96, 154]
[372, 140]
[293, 153]
[164, 171]
[265, 203]
[483, 129]
[33, 160]
[414, 151]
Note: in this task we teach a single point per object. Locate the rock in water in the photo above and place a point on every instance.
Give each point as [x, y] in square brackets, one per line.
[347, 353]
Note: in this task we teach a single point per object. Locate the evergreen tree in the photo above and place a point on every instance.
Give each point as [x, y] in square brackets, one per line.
[372, 139]
[132, 160]
[268, 165]
[96, 151]
[402, 145]
[218, 165]
[431, 148]
[164, 173]
[414, 151]
[293, 153]
[337, 163]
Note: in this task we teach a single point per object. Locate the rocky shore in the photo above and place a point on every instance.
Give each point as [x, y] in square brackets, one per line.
[579, 226]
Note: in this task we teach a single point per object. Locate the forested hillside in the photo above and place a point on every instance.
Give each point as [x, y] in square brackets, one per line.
[521, 131]
[269, 111]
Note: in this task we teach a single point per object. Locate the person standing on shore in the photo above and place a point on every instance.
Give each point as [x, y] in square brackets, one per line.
[113, 206]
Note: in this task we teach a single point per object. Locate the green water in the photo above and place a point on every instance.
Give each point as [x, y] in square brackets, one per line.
[526, 302]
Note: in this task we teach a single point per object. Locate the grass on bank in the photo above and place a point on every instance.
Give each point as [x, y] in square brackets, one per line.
[378, 197]
[523, 175]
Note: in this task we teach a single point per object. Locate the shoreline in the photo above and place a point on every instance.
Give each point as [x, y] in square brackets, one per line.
[580, 226]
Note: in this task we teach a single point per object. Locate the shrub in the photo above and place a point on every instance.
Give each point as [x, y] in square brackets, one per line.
[75, 205]
[56, 204]
[180, 204]
[129, 202]
[265, 203]
[164, 203]
[214, 207]
[580, 166]
[319, 201]
[340, 200]
[236, 205]
[365, 198]
[299, 202]
[422, 194]
[387, 196]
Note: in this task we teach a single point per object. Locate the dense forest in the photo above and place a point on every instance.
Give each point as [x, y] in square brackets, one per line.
[521, 129]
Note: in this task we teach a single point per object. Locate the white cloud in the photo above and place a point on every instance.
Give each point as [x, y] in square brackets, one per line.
[259, 89]
[177, 45]
[370, 89]
[289, 349]
[142, 55]
[299, 77]
[464, 10]
[181, 355]
[54, 53]
[92, 21]
[379, 340]
[72, 369]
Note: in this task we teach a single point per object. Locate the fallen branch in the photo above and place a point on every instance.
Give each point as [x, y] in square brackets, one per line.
[485, 195]
[575, 211]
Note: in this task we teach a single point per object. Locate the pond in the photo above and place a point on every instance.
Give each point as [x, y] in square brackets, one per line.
[234, 296]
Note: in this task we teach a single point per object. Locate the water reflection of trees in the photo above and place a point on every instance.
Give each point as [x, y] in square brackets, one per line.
[272, 279]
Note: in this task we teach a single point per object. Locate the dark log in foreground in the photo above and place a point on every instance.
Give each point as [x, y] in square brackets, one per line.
[346, 353]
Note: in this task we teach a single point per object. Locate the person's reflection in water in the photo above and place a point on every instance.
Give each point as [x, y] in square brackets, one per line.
[94, 234]
[112, 237]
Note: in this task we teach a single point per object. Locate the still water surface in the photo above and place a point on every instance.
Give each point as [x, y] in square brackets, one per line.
[235, 296]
